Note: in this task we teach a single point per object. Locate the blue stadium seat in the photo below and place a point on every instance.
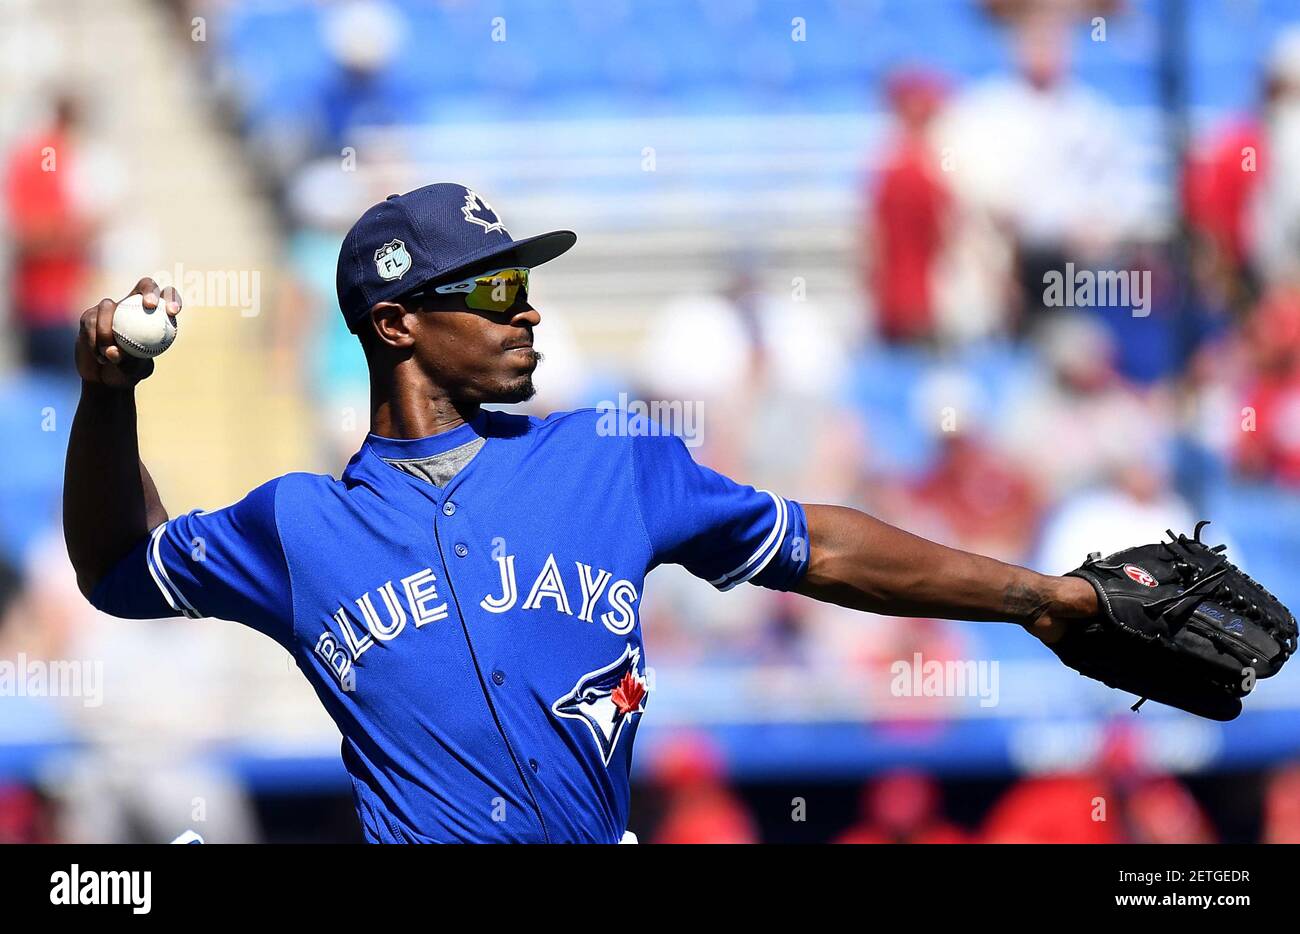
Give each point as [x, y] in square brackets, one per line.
[35, 416]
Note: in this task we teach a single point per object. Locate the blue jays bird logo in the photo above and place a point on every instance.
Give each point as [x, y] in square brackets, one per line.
[607, 699]
[478, 211]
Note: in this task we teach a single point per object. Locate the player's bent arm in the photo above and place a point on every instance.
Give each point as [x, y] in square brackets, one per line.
[109, 500]
[862, 563]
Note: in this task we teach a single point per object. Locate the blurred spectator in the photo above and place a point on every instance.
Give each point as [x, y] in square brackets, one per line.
[755, 365]
[51, 231]
[1081, 421]
[908, 214]
[1239, 186]
[720, 345]
[1162, 810]
[363, 36]
[24, 816]
[896, 708]
[1053, 809]
[979, 500]
[358, 44]
[1218, 197]
[699, 807]
[902, 807]
[1137, 506]
[1268, 446]
[1043, 157]
[1276, 224]
[1281, 817]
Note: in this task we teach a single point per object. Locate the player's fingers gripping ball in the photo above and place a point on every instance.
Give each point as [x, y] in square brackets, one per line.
[140, 331]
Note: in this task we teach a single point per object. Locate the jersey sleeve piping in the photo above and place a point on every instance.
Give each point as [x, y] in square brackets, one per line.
[762, 555]
[158, 571]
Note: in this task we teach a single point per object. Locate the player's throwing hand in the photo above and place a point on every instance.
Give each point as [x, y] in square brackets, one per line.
[99, 359]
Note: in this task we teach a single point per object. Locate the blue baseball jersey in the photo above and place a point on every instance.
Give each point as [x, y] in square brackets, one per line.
[478, 644]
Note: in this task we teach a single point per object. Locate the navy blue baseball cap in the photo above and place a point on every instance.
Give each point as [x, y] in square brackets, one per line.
[401, 244]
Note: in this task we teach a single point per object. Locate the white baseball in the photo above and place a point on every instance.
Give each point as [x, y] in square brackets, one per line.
[142, 332]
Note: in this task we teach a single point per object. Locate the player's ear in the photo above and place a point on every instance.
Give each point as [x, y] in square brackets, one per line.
[392, 324]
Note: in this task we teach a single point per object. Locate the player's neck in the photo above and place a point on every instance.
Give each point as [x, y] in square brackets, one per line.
[417, 415]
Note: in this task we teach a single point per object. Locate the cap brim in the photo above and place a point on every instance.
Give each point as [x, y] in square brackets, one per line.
[533, 251]
[529, 252]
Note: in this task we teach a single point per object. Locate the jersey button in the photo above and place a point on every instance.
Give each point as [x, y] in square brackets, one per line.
[532, 764]
[461, 549]
[449, 508]
[498, 677]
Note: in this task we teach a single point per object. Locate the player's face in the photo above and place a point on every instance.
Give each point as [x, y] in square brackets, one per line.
[478, 356]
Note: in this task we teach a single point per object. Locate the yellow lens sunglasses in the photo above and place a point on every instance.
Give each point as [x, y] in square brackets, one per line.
[492, 291]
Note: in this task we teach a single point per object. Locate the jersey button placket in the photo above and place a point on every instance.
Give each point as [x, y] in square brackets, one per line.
[497, 676]
[460, 548]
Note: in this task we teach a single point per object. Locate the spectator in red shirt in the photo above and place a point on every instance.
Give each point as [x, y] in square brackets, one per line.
[699, 807]
[908, 211]
[51, 237]
[974, 498]
[1218, 188]
[1117, 800]
[1238, 187]
[1282, 805]
[1162, 810]
[1055, 809]
[903, 807]
[1268, 447]
[24, 816]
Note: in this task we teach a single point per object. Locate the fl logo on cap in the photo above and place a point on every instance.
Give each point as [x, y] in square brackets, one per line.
[392, 261]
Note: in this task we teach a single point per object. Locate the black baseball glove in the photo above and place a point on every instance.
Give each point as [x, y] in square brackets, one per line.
[1181, 625]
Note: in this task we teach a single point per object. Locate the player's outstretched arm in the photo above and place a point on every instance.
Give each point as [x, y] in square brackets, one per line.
[865, 564]
[109, 500]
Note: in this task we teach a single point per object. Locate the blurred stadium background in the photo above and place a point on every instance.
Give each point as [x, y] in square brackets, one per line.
[826, 222]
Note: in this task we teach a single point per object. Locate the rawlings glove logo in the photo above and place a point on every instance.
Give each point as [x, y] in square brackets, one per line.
[1143, 577]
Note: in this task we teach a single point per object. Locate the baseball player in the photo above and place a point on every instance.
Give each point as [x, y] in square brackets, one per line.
[465, 598]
